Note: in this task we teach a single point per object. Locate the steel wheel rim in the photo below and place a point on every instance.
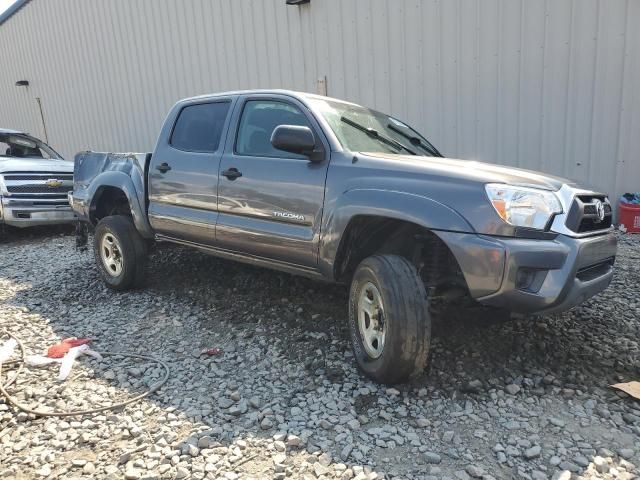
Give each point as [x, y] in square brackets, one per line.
[371, 320]
[111, 254]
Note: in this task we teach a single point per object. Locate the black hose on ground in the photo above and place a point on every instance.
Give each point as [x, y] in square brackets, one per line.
[42, 413]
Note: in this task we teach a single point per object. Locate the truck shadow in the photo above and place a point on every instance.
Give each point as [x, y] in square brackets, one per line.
[289, 336]
[467, 343]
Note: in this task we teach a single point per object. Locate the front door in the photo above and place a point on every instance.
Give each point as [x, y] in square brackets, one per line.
[270, 201]
[183, 174]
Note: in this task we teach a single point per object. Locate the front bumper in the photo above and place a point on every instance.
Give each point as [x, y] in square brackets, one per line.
[18, 213]
[535, 276]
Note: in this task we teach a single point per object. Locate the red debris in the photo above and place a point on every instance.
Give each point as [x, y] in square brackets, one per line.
[59, 350]
[213, 352]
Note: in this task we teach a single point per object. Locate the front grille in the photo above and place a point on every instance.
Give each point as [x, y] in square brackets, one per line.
[583, 216]
[39, 196]
[38, 176]
[38, 189]
[591, 225]
[590, 209]
[30, 189]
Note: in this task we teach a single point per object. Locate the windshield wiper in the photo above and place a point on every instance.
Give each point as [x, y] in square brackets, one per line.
[373, 133]
[417, 141]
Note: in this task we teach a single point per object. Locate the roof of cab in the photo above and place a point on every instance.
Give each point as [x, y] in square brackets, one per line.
[290, 93]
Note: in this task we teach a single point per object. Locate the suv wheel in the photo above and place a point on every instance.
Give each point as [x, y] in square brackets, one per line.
[389, 319]
[120, 252]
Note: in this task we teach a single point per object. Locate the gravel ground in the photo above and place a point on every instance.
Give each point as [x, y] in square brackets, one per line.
[525, 399]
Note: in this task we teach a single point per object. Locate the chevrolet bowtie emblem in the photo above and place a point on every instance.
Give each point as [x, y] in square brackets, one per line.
[53, 183]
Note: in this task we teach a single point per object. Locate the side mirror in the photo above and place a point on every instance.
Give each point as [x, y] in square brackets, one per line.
[294, 139]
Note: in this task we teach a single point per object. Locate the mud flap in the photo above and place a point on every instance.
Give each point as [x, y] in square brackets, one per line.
[82, 235]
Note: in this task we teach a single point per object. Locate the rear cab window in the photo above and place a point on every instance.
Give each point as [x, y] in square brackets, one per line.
[198, 127]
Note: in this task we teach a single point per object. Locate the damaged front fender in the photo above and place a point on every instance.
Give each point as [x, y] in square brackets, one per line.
[95, 171]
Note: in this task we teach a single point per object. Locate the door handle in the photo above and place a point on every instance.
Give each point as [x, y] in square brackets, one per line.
[232, 173]
[164, 167]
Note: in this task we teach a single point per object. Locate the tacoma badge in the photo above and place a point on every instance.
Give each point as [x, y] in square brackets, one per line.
[292, 216]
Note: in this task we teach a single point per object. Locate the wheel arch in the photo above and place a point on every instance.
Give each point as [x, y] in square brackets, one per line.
[383, 213]
[116, 186]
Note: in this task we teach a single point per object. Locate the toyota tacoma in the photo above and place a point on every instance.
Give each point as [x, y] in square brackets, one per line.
[332, 190]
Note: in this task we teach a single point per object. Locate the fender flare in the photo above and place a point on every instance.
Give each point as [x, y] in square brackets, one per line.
[417, 209]
[123, 182]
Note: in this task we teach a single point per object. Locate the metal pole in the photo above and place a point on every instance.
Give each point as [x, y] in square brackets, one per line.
[44, 125]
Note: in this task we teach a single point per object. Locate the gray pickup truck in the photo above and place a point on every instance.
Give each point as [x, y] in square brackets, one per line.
[335, 191]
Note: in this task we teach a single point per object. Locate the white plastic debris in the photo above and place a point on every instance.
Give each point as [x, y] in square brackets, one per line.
[70, 357]
[66, 363]
[7, 349]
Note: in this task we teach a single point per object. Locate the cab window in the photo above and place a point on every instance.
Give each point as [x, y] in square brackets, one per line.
[259, 119]
[199, 127]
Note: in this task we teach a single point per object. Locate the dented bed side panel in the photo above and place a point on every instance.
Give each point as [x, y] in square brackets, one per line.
[95, 171]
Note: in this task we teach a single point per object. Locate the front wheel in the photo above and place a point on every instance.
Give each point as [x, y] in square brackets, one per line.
[389, 319]
[120, 252]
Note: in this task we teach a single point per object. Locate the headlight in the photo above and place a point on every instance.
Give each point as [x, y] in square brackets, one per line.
[522, 206]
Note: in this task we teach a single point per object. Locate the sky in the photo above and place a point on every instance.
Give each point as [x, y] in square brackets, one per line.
[4, 4]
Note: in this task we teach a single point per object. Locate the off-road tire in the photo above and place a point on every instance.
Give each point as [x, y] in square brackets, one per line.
[133, 252]
[406, 318]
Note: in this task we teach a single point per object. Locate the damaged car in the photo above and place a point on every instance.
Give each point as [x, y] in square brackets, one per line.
[34, 182]
[335, 191]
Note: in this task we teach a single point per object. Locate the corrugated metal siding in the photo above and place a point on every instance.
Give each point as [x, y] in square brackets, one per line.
[551, 85]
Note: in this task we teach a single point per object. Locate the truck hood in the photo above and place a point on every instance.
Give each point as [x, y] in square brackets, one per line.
[458, 185]
[12, 164]
[474, 171]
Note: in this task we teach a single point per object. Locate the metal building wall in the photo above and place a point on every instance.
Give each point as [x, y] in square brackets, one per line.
[551, 85]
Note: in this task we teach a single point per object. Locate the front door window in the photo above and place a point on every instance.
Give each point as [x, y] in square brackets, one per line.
[259, 119]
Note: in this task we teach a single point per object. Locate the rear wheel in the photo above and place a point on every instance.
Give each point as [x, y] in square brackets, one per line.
[120, 252]
[389, 319]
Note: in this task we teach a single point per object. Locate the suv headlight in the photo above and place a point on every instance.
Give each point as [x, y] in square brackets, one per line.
[522, 206]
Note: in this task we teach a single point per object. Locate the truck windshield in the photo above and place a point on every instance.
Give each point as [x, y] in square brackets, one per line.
[361, 129]
[24, 146]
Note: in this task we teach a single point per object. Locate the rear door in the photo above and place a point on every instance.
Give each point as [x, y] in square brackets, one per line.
[183, 174]
[270, 201]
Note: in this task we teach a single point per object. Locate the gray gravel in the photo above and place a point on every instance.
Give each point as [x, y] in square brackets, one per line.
[527, 399]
